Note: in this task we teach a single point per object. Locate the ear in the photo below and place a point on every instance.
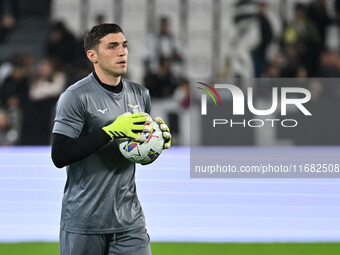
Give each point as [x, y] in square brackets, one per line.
[92, 56]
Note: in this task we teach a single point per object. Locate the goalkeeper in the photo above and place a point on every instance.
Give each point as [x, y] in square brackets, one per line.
[101, 213]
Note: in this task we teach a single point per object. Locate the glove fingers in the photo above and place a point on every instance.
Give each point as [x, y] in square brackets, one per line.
[159, 120]
[147, 128]
[127, 125]
[138, 128]
[164, 127]
[139, 120]
[140, 138]
[166, 132]
[166, 135]
[132, 135]
[148, 117]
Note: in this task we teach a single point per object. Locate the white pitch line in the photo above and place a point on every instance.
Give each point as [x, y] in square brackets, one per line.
[34, 226]
[52, 166]
[32, 190]
[303, 217]
[32, 178]
[234, 182]
[157, 192]
[26, 166]
[243, 230]
[222, 181]
[240, 194]
[29, 202]
[205, 205]
[26, 213]
[47, 154]
[163, 168]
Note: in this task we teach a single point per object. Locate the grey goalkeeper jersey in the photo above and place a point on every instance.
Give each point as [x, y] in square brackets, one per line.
[100, 192]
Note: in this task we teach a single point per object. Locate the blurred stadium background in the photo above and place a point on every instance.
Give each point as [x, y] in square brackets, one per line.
[171, 42]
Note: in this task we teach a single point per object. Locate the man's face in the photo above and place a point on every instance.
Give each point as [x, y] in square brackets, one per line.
[164, 27]
[112, 54]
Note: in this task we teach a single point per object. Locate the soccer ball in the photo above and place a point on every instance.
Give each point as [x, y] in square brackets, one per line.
[147, 151]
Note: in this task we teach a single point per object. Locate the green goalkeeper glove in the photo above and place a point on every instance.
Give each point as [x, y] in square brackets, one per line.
[166, 132]
[128, 125]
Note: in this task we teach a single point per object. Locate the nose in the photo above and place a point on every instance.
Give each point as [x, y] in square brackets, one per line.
[122, 51]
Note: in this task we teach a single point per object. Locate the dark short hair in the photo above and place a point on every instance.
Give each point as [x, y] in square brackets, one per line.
[92, 38]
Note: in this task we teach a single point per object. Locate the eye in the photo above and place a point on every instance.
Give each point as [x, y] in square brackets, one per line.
[125, 46]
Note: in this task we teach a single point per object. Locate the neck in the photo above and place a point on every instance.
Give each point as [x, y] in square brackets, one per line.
[106, 78]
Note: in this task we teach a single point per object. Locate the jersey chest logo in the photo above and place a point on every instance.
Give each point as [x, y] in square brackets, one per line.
[102, 111]
[134, 108]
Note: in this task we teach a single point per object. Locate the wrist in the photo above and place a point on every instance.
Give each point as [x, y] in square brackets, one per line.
[108, 133]
[102, 135]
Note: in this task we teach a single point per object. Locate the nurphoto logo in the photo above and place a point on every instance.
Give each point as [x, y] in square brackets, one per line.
[280, 98]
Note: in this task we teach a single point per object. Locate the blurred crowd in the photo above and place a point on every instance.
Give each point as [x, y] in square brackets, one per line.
[303, 50]
[30, 87]
[303, 44]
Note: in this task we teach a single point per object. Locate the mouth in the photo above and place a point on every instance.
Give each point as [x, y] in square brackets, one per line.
[122, 62]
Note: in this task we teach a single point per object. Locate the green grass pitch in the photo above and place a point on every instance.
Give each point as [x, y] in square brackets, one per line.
[194, 248]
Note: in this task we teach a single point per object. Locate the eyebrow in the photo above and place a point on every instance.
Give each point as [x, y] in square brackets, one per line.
[117, 43]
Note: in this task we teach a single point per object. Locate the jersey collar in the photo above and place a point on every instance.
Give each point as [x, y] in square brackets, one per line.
[114, 89]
